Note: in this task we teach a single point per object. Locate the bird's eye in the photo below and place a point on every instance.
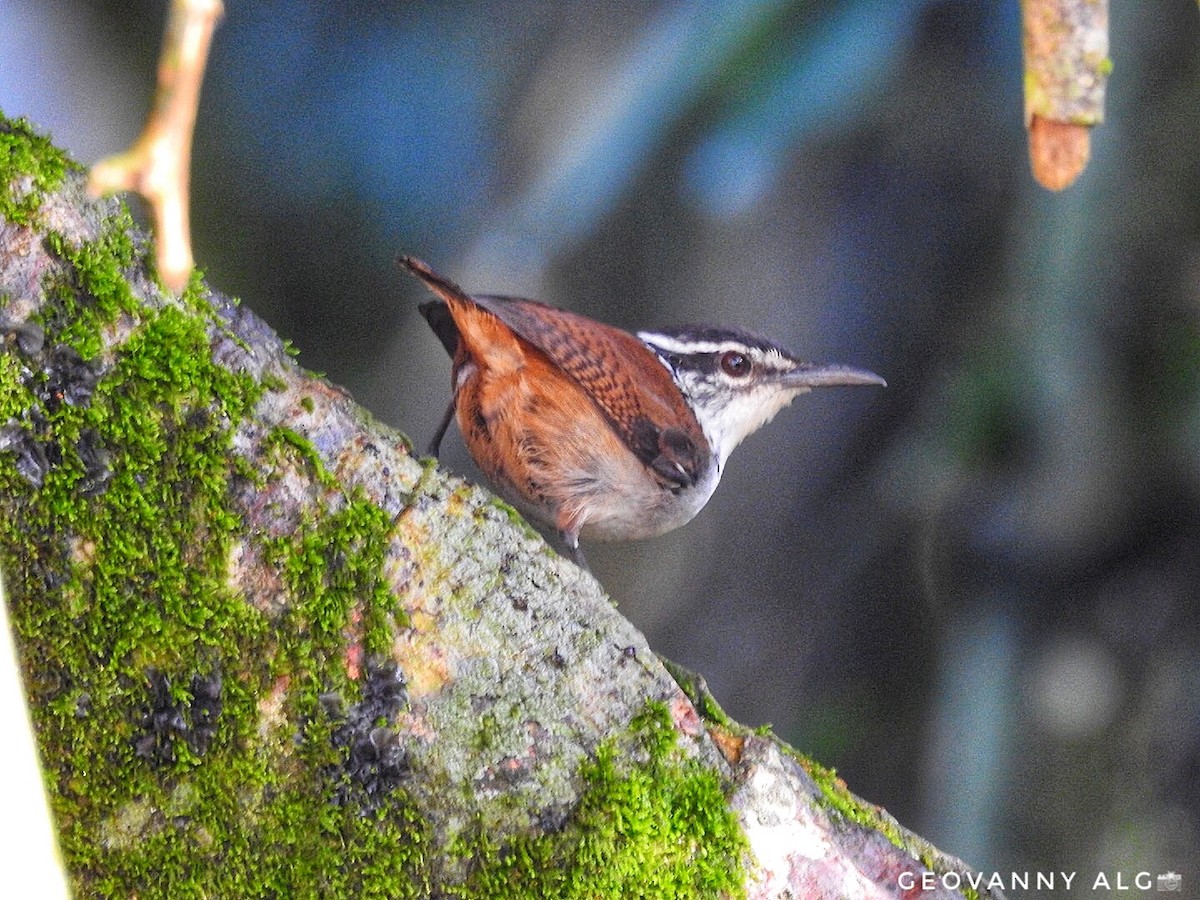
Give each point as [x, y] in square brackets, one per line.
[734, 364]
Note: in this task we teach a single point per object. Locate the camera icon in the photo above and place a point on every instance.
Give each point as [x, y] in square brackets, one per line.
[1170, 881]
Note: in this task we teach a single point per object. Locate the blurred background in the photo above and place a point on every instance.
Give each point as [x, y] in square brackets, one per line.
[974, 593]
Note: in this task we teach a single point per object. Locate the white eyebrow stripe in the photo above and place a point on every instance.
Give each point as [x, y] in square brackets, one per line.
[686, 348]
[668, 344]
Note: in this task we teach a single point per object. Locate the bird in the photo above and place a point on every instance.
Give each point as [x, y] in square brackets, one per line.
[596, 432]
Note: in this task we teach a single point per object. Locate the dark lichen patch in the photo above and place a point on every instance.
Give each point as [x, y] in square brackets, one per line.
[96, 462]
[64, 377]
[650, 823]
[374, 761]
[30, 165]
[175, 724]
[28, 453]
[27, 337]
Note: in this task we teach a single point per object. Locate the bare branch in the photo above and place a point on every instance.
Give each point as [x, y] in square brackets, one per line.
[157, 164]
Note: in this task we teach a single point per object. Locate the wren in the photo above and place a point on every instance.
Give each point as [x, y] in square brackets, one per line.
[600, 434]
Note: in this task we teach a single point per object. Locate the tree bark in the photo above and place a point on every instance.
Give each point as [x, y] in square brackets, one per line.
[270, 652]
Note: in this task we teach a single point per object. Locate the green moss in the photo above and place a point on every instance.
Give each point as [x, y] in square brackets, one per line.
[116, 568]
[195, 297]
[26, 155]
[837, 797]
[333, 566]
[696, 689]
[654, 826]
[128, 575]
[13, 396]
[92, 290]
[287, 440]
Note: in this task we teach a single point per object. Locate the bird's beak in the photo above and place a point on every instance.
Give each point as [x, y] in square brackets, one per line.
[811, 375]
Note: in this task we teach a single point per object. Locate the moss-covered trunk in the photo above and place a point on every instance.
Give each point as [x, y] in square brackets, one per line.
[270, 653]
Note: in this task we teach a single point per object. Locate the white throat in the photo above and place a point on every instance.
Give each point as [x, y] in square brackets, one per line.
[728, 424]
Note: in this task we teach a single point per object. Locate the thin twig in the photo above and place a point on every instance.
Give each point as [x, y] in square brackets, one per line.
[157, 164]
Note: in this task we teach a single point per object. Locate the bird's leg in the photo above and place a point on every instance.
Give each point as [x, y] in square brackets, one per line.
[436, 444]
[571, 539]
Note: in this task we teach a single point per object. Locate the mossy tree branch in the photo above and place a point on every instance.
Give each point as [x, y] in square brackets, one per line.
[270, 652]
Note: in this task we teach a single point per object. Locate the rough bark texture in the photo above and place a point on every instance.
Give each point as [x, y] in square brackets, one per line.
[271, 653]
